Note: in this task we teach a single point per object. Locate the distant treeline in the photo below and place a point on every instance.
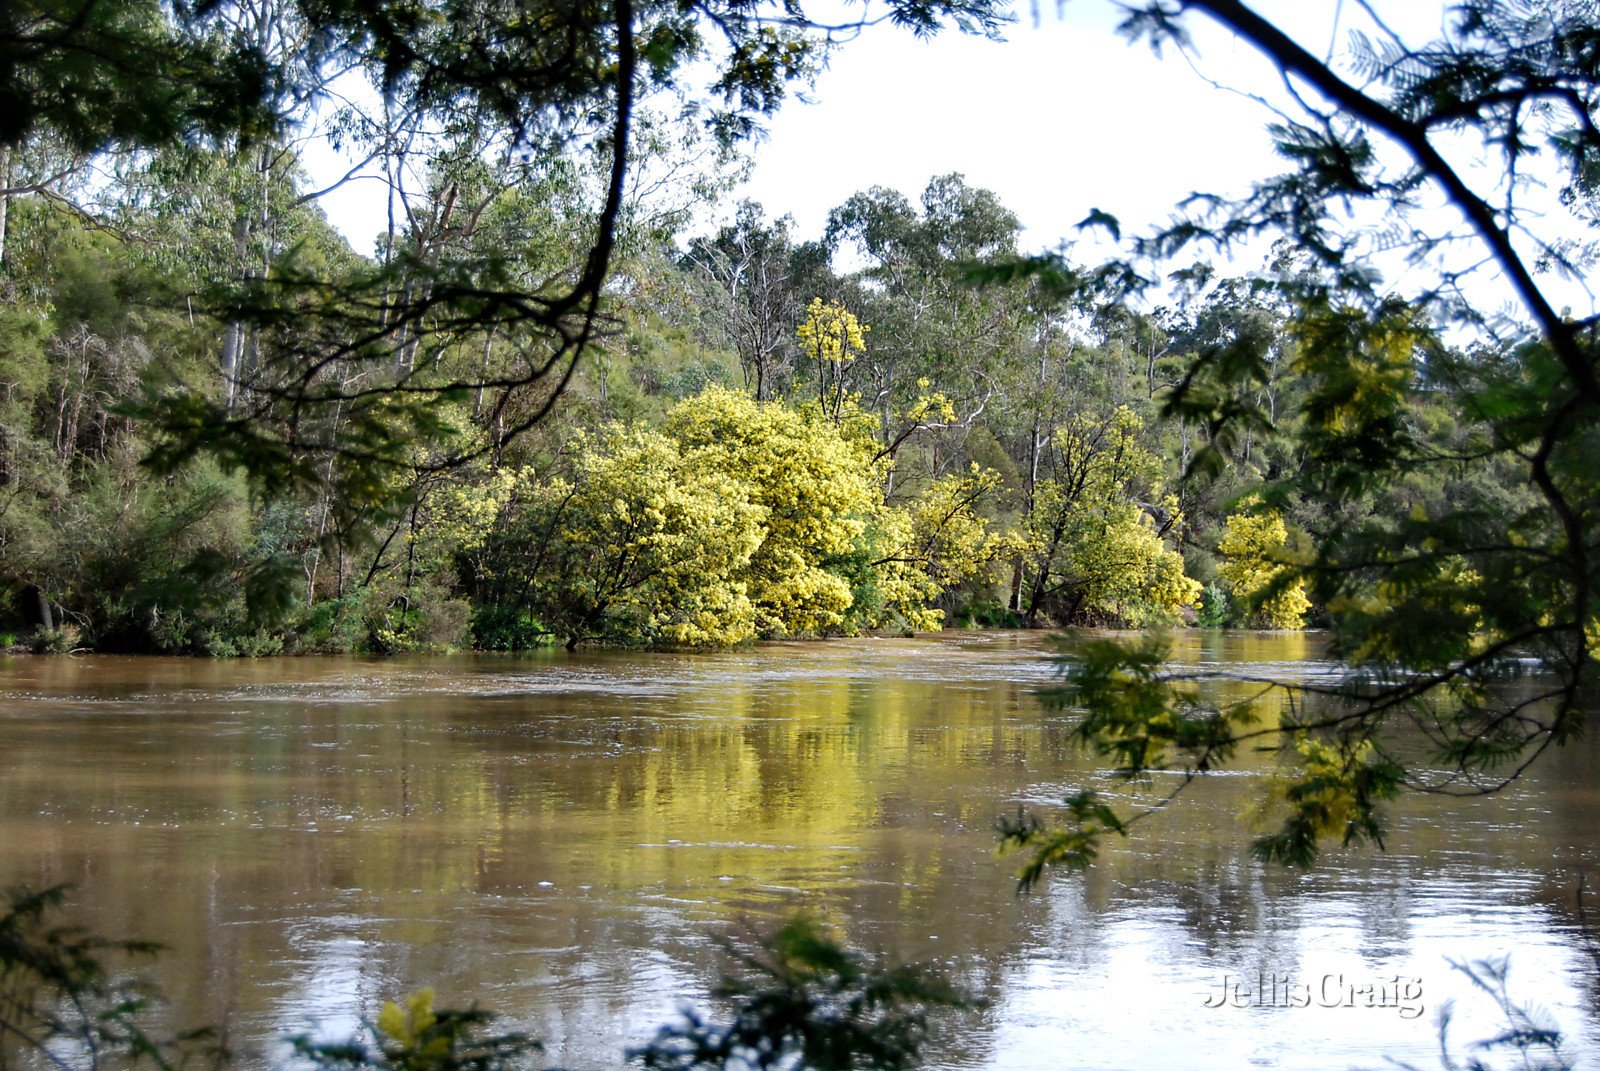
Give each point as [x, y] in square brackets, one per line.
[754, 444]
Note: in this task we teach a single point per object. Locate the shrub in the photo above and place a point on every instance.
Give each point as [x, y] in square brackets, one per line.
[56, 640]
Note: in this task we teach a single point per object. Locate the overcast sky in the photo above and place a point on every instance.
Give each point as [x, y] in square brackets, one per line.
[1061, 117]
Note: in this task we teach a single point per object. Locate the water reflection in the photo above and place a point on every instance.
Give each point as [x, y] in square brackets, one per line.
[561, 836]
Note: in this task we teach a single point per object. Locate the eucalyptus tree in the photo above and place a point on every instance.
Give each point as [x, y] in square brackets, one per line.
[935, 334]
[750, 263]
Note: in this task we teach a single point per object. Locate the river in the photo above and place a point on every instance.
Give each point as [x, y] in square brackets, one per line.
[564, 838]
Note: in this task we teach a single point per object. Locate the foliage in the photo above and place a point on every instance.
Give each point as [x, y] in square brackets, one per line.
[816, 487]
[1334, 795]
[1258, 575]
[1092, 547]
[498, 628]
[1144, 715]
[1126, 694]
[805, 1001]
[336, 625]
[739, 519]
[418, 1037]
[98, 74]
[338, 365]
[934, 544]
[1448, 496]
[1215, 608]
[646, 544]
[59, 999]
[831, 337]
[1529, 1040]
[1072, 843]
[63, 640]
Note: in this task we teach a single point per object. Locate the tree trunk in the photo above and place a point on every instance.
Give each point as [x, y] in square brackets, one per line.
[233, 334]
[232, 347]
[5, 198]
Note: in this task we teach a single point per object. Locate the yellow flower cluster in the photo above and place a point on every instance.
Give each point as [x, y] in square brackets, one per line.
[831, 333]
[1091, 538]
[1254, 566]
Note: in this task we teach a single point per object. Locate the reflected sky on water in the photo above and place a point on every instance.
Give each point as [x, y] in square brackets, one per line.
[565, 837]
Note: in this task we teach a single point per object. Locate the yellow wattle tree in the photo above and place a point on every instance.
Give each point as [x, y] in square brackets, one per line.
[832, 338]
[816, 484]
[1253, 565]
[1092, 552]
[644, 544]
[736, 520]
[935, 542]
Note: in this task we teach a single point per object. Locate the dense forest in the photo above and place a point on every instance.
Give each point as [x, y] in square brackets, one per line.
[763, 442]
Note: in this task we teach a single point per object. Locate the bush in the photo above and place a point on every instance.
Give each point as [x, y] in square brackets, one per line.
[419, 1038]
[430, 623]
[1216, 610]
[508, 628]
[61, 640]
[988, 614]
[335, 626]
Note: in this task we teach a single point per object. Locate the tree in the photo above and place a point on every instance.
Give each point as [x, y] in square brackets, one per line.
[97, 74]
[938, 334]
[934, 544]
[816, 485]
[363, 370]
[1253, 551]
[1441, 600]
[738, 519]
[1093, 553]
[832, 338]
[645, 544]
[751, 264]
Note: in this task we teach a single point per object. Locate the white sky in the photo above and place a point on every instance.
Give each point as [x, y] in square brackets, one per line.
[1062, 117]
[1059, 118]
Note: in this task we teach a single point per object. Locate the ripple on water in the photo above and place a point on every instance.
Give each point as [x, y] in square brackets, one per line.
[563, 837]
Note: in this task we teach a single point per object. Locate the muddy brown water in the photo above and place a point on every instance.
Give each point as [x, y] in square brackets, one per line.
[564, 838]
